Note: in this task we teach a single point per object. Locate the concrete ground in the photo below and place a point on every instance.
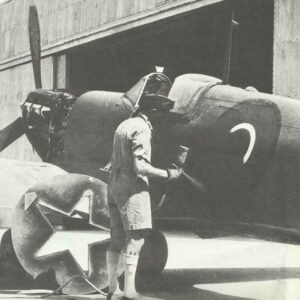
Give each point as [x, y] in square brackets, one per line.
[219, 268]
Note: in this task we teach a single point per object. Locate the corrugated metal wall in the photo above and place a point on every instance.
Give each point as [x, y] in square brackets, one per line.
[65, 23]
[286, 74]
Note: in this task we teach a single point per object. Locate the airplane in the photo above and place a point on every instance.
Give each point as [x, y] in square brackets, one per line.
[241, 169]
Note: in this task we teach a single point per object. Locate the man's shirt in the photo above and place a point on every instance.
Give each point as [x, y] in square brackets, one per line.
[132, 139]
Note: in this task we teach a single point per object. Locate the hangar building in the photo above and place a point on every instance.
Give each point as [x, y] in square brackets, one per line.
[110, 44]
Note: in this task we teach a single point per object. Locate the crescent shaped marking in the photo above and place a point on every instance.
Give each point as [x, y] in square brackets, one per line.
[252, 133]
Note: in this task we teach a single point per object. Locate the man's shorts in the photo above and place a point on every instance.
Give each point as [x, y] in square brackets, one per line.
[133, 214]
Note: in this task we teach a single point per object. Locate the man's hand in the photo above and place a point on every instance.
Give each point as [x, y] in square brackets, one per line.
[174, 174]
[141, 167]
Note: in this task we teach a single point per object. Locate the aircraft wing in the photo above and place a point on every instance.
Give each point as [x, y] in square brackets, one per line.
[16, 177]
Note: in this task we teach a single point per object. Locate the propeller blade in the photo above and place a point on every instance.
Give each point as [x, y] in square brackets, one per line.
[11, 132]
[35, 44]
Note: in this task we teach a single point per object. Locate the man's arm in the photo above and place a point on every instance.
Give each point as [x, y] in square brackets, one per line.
[139, 143]
[141, 167]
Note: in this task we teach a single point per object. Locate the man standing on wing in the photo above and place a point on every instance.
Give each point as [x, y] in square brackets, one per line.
[128, 191]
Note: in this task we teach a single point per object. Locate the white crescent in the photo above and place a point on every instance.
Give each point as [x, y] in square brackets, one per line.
[252, 133]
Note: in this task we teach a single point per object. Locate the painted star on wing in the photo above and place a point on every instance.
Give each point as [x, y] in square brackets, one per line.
[77, 242]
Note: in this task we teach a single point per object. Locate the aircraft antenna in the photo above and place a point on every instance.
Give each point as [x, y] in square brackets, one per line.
[227, 61]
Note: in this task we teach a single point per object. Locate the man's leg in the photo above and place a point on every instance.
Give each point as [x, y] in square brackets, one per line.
[113, 254]
[134, 243]
[136, 217]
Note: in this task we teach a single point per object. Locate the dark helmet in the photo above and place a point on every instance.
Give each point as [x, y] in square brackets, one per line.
[150, 92]
[155, 101]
